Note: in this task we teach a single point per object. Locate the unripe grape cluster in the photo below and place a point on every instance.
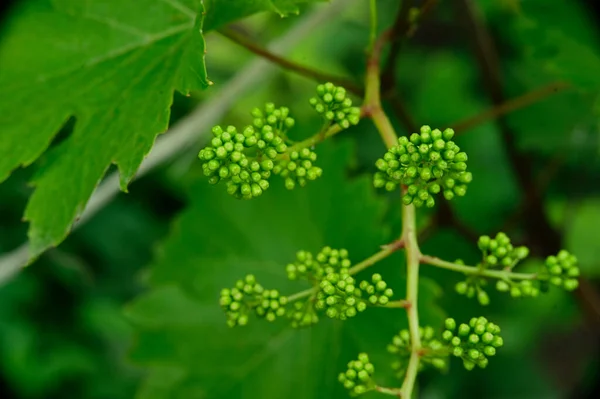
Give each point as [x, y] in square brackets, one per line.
[427, 163]
[334, 105]
[358, 378]
[337, 293]
[433, 351]
[499, 251]
[248, 295]
[377, 290]
[225, 160]
[298, 169]
[340, 297]
[309, 267]
[562, 270]
[278, 119]
[245, 160]
[474, 342]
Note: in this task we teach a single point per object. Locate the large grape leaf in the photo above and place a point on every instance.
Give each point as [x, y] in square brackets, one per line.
[112, 66]
[183, 339]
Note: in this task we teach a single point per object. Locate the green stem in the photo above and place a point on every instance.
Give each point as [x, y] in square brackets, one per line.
[317, 138]
[372, 103]
[404, 304]
[371, 260]
[309, 72]
[388, 391]
[302, 294]
[373, 33]
[413, 258]
[500, 274]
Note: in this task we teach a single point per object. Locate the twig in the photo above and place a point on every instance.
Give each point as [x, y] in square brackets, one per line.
[473, 270]
[372, 104]
[510, 106]
[191, 131]
[290, 65]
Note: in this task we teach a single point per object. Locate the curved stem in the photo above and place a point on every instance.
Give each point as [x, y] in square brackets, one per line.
[373, 32]
[372, 105]
[290, 65]
[301, 294]
[500, 274]
[317, 138]
[371, 260]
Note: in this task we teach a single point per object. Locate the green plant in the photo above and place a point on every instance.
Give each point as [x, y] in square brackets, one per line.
[424, 164]
[323, 235]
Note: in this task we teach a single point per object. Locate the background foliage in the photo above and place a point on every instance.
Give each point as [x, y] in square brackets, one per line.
[163, 251]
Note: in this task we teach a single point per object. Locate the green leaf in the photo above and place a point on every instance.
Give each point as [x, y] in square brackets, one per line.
[581, 237]
[221, 12]
[218, 240]
[113, 66]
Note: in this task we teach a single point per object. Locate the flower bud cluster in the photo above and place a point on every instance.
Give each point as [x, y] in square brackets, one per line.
[249, 296]
[334, 105]
[474, 342]
[358, 378]
[427, 163]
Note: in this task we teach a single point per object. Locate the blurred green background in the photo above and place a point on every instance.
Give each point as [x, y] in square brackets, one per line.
[63, 331]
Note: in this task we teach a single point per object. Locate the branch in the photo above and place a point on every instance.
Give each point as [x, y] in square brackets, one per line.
[509, 106]
[473, 270]
[386, 251]
[191, 131]
[413, 259]
[372, 104]
[290, 65]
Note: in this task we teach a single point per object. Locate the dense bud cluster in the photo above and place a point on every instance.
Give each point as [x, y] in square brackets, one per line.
[298, 169]
[358, 378]
[433, 351]
[248, 295]
[335, 106]
[225, 160]
[277, 118]
[377, 290]
[312, 268]
[474, 343]
[340, 297]
[337, 293]
[427, 163]
[499, 251]
[562, 270]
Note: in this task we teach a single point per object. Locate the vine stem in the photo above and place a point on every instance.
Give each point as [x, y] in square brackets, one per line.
[413, 259]
[372, 104]
[386, 251]
[289, 65]
[500, 274]
[301, 294]
[388, 391]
